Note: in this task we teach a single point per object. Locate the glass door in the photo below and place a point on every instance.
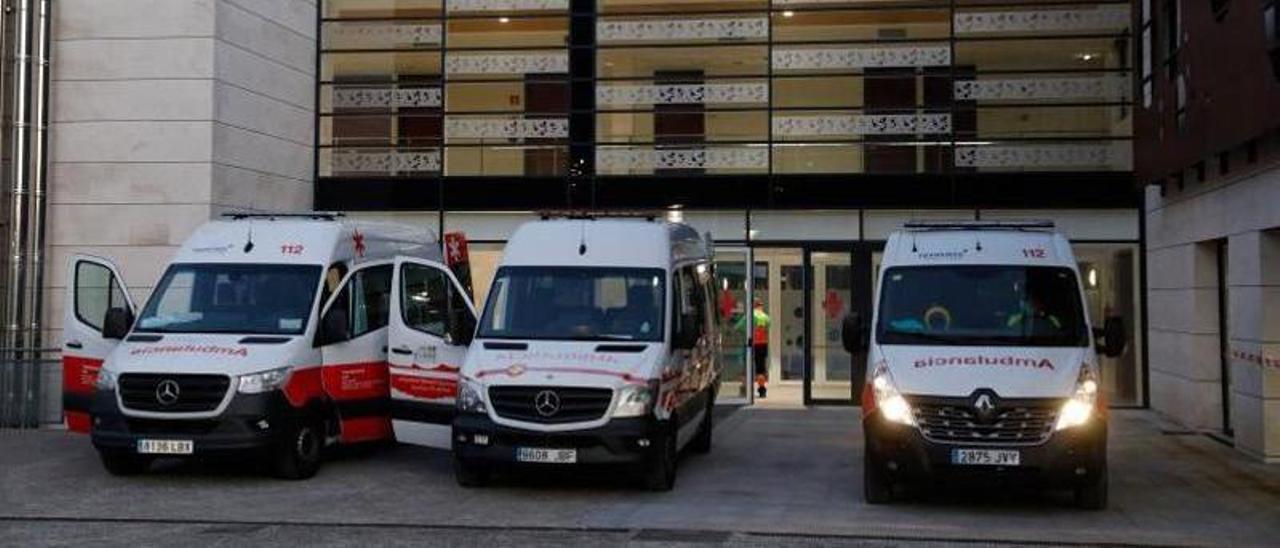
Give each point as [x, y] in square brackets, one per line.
[830, 300]
[733, 308]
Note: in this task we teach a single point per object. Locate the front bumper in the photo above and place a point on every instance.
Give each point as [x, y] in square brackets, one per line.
[240, 428]
[1070, 457]
[618, 442]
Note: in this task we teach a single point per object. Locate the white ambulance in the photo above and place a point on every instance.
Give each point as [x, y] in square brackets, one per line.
[597, 346]
[981, 362]
[272, 335]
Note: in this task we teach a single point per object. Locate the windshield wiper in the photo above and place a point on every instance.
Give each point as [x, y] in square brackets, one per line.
[930, 337]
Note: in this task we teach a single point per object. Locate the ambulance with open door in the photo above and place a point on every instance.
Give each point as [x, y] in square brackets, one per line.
[268, 335]
[982, 362]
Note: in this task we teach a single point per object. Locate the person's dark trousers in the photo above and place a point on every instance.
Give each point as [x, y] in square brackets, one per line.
[761, 358]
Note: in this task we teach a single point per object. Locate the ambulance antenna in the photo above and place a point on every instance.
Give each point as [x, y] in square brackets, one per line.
[582, 238]
[248, 244]
[978, 240]
[913, 243]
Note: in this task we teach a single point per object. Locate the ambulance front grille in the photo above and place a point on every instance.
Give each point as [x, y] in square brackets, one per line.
[194, 393]
[1021, 422]
[572, 404]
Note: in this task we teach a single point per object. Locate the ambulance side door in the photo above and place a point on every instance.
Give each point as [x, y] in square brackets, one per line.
[94, 286]
[352, 337]
[432, 322]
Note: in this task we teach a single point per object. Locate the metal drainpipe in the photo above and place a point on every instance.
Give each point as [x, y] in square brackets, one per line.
[20, 160]
[40, 171]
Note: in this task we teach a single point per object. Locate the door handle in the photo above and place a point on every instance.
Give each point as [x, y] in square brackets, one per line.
[400, 350]
[384, 349]
[75, 344]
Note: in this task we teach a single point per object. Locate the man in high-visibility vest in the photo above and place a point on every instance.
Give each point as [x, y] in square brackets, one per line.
[760, 344]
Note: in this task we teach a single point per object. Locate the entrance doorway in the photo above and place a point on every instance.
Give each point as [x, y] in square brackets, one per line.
[806, 291]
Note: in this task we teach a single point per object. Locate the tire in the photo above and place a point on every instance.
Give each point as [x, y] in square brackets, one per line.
[701, 442]
[470, 474]
[297, 455]
[877, 487]
[661, 473]
[1093, 496]
[124, 463]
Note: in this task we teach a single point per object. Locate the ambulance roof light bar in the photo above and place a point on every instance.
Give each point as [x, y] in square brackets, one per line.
[591, 215]
[1030, 225]
[312, 215]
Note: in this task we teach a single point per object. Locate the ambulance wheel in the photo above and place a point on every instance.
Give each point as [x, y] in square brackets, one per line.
[661, 474]
[470, 474]
[877, 487]
[124, 463]
[701, 442]
[1093, 495]
[297, 456]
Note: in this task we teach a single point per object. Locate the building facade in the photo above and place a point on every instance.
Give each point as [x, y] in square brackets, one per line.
[798, 133]
[1208, 144]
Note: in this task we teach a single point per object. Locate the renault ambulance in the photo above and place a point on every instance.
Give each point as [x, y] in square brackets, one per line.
[597, 346]
[982, 362]
[269, 336]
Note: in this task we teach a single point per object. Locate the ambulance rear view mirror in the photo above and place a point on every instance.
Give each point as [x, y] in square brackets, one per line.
[853, 333]
[462, 328]
[1113, 337]
[116, 323]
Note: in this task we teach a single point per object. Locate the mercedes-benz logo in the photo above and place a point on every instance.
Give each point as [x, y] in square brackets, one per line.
[546, 403]
[167, 392]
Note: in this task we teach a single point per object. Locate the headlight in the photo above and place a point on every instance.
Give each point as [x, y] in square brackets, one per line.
[889, 401]
[635, 400]
[471, 397]
[106, 380]
[1079, 408]
[265, 381]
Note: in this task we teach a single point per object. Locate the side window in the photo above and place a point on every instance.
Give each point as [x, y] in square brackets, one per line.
[332, 277]
[425, 294]
[690, 303]
[370, 299]
[96, 291]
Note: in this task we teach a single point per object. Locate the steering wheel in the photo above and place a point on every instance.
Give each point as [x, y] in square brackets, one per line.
[937, 311]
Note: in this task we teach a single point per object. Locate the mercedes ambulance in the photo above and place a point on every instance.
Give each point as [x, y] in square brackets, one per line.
[981, 361]
[268, 335]
[597, 346]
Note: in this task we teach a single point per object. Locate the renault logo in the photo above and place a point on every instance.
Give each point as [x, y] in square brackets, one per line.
[167, 392]
[985, 405]
[546, 403]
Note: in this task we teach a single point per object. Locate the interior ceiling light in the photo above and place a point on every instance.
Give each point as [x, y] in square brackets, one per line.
[504, 20]
[788, 13]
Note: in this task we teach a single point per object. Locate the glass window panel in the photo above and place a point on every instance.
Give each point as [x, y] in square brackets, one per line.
[541, 96]
[1045, 88]
[379, 97]
[714, 126]
[508, 32]
[710, 61]
[719, 93]
[679, 6]
[817, 158]
[506, 160]
[380, 129]
[380, 66]
[894, 157]
[507, 7]
[334, 9]
[685, 159]
[1057, 54]
[846, 125]
[1014, 156]
[1051, 122]
[827, 91]
[864, 24]
[358, 35]
[505, 65]
[505, 129]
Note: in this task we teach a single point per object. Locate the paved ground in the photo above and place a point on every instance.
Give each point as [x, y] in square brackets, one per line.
[776, 476]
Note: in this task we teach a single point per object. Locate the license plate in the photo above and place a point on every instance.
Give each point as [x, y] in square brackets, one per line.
[166, 447]
[986, 457]
[551, 456]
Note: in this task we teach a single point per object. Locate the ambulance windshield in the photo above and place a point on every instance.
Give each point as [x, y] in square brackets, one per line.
[575, 303]
[268, 299]
[981, 305]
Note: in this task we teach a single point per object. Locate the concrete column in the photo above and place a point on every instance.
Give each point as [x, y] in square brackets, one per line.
[1254, 329]
[164, 114]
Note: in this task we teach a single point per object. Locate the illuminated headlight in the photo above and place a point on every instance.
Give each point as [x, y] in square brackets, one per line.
[635, 400]
[889, 401]
[471, 397]
[264, 381]
[106, 380]
[1077, 410]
